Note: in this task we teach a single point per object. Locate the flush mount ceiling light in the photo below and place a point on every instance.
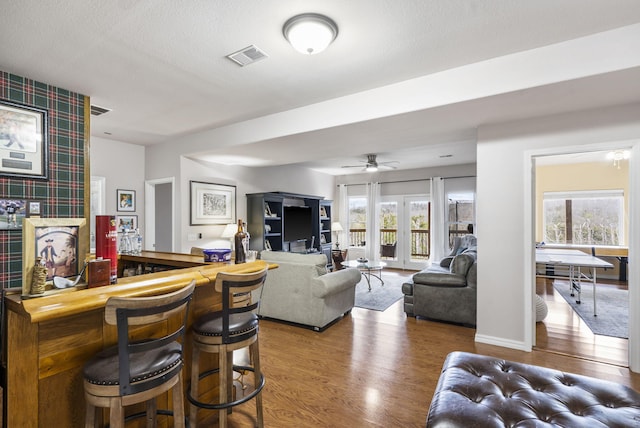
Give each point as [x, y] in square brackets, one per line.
[310, 33]
[617, 156]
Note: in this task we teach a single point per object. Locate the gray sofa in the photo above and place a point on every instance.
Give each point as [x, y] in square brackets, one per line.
[445, 291]
[301, 291]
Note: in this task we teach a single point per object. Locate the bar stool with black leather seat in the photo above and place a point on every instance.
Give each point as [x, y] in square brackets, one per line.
[222, 332]
[138, 369]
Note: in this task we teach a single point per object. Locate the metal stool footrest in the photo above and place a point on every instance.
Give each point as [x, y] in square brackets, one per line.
[220, 406]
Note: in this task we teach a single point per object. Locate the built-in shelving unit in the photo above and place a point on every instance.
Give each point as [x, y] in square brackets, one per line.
[308, 228]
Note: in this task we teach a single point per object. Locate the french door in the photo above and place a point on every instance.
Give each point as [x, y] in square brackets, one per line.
[404, 221]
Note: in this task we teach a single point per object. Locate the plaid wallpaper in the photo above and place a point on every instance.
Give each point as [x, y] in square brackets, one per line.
[62, 195]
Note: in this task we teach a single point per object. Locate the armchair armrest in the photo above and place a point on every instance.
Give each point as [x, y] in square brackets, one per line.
[335, 282]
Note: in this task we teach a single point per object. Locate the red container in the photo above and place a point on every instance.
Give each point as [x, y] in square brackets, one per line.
[106, 245]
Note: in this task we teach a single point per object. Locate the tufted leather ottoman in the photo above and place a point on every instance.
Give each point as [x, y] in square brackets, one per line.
[479, 391]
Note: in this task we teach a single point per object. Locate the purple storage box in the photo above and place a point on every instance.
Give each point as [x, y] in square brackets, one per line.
[217, 254]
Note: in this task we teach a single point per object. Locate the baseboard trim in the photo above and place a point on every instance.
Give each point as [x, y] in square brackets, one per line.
[498, 341]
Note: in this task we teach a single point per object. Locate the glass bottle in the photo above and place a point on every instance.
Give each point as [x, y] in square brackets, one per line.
[247, 240]
[137, 242]
[240, 240]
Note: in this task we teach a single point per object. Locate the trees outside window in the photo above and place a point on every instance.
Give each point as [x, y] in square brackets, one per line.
[593, 218]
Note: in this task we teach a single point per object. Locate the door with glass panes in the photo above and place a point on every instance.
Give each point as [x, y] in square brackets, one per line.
[404, 231]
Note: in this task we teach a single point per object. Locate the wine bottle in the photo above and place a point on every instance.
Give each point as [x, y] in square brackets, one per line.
[240, 240]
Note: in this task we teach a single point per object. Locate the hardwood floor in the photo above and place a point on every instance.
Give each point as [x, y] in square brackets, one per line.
[563, 331]
[380, 369]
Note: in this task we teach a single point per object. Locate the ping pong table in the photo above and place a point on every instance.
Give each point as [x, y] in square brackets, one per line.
[582, 267]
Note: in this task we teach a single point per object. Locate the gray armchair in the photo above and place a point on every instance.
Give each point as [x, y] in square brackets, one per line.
[301, 291]
[444, 294]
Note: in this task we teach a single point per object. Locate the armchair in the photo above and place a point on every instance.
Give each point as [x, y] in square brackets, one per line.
[445, 294]
[301, 291]
[388, 250]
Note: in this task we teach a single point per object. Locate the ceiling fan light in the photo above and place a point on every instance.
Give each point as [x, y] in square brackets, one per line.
[371, 168]
[310, 33]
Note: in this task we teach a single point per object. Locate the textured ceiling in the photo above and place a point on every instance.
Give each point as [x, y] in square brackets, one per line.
[160, 64]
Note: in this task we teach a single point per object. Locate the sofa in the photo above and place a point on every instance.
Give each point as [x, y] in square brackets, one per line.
[301, 291]
[476, 390]
[445, 291]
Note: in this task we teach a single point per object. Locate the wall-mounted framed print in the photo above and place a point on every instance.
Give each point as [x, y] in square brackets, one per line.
[56, 241]
[126, 200]
[12, 213]
[23, 141]
[34, 208]
[212, 203]
[126, 222]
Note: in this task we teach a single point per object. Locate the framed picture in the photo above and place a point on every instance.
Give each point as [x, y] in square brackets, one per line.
[126, 200]
[129, 222]
[323, 212]
[12, 213]
[212, 203]
[23, 141]
[34, 208]
[57, 242]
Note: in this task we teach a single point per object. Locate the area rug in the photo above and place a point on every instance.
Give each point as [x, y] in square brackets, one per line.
[381, 296]
[612, 305]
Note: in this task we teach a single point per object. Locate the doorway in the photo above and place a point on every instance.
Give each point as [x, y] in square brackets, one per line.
[404, 231]
[570, 193]
[159, 214]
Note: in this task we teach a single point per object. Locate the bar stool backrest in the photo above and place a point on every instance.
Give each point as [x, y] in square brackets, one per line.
[231, 285]
[137, 311]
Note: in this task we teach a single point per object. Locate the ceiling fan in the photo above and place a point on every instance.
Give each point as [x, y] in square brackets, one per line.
[372, 165]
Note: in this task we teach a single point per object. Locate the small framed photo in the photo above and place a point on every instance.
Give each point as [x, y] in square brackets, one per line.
[34, 208]
[323, 212]
[23, 141]
[126, 200]
[12, 213]
[126, 222]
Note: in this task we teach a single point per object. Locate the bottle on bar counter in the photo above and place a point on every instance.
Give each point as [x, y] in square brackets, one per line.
[240, 240]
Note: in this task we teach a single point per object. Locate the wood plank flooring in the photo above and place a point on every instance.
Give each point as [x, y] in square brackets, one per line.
[563, 331]
[380, 369]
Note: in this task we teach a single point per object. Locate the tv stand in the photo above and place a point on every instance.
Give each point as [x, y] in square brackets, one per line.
[267, 222]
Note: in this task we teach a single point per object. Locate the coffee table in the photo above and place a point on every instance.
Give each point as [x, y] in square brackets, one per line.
[367, 268]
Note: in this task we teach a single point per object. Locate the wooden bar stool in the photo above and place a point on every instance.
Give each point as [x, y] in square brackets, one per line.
[222, 332]
[140, 368]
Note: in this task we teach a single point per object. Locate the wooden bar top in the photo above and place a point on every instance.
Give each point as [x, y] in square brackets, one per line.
[84, 300]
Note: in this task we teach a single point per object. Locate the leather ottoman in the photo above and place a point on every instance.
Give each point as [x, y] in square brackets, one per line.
[480, 391]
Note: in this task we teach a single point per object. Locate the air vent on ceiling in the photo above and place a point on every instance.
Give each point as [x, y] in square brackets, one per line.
[247, 56]
[97, 111]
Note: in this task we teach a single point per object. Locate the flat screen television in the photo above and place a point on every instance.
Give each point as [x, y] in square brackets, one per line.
[298, 223]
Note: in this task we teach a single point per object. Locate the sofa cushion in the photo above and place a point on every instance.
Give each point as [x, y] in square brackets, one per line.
[440, 279]
[319, 260]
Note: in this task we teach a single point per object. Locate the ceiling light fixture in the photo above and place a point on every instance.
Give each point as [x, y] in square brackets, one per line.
[310, 33]
[618, 155]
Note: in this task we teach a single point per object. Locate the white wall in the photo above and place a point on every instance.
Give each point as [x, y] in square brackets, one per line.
[123, 166]
[247, 180]
[505, 209]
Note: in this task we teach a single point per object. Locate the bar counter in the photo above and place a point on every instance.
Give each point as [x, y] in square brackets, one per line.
[48, 339]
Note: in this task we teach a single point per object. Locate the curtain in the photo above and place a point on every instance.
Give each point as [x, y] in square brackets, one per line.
[372, 248]
[438, 219]
[343, 216]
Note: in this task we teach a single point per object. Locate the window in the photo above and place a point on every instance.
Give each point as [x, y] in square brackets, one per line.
[357, 220]
[461, 214]
[592, 217]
